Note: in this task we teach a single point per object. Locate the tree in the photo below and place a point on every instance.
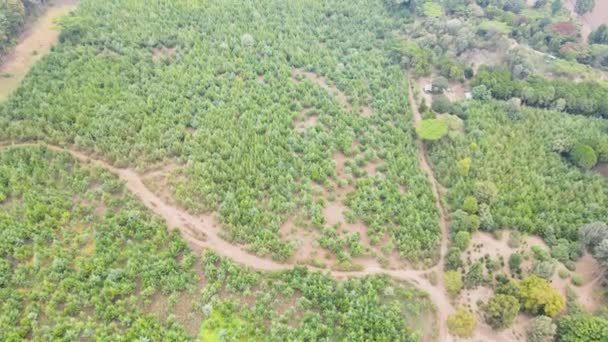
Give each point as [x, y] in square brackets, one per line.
[432, 129]
[470, 205]
[440, 84]
[556, 6]
[592, 234]
[583, 156]
[515, 261]
[584, 6]
[582, 328]
[474, 276]
[481, 93]
[452, 259]
[486, 192]
[601, 253]
[453, 282]
[462, 323]
[544, 269]
[462, 240]
[541, 329]
[460, 220]
[538, 297]
[500, 311]
[464, 166]
[441, 104]
[600, 35]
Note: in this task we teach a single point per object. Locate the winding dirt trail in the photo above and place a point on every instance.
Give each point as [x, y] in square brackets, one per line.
[204, 232]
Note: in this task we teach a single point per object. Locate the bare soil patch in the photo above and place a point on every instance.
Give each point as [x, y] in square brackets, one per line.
[34, 43]
[590, 21]
[303, 123]
[602, 169]
[163, 53]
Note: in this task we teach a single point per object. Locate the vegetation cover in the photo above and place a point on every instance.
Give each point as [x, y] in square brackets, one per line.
[81, 258]
[544, 193]
[215, 86]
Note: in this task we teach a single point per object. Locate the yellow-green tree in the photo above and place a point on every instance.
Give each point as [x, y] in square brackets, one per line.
[462, 323]
[538, 297]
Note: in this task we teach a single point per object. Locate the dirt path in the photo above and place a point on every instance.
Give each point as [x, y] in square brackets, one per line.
[447, 309]
[34, 43]
[204, 232]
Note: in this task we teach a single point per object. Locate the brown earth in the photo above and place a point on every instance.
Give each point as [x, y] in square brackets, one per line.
[35, 42]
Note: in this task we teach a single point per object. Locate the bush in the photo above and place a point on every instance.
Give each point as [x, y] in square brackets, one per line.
[583, 156]
[441, 104]
[462, 323]
[452, 259]
[563, 274]
[486, 192]
[474, 276]
[500, 311]
[514, 239]
[453, 283]
[462, 240]
[515, 261]
[432, 130]
[600, 35]
[541, 329]
[470, 205]
[577, 280]
[544, 269]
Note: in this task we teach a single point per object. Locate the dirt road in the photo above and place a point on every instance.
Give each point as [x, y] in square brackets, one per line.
[34, 43]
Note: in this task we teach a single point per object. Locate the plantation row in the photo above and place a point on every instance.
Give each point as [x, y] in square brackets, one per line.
[209, 84]
[97, 265]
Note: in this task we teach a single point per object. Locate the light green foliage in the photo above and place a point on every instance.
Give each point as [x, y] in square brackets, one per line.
[464, 165]
[542, 190]
[563, 274]
[500, 311]
[432, 9]
[583, 156]
[577, 280]
[470, 205]
[223, 105]
[494, 26]
[538, 297]
[582, 328]
[453, 283]
[462, 239]
[432, 129]
[462, 323]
